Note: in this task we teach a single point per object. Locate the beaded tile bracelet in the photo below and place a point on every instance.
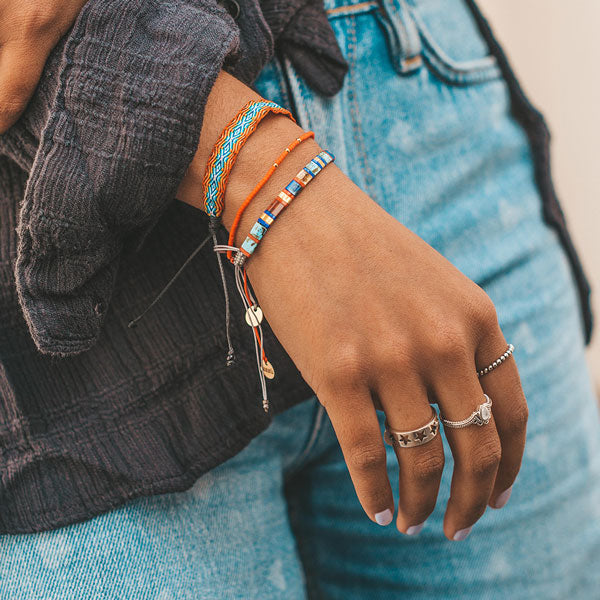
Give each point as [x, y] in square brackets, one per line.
[236, 221]
[283, 199]
[227, 148]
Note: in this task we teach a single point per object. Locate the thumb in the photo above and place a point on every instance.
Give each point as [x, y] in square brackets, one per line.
[21, 66]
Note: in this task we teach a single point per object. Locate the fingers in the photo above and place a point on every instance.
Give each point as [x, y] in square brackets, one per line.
[355, 422]
[21, 66]
[28, 32]
[476, 450]
[510, 413]
[404, 400]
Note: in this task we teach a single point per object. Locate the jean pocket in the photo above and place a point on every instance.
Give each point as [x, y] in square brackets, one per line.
[441, 34]
[452, 45]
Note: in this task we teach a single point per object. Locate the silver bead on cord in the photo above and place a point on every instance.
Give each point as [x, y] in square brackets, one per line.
[497, 362]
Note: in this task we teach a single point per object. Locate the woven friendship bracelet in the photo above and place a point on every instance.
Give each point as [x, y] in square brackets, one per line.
[227, 148]
[283, 199]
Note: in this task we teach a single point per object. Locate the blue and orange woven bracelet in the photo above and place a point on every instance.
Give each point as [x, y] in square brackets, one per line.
[227, 148]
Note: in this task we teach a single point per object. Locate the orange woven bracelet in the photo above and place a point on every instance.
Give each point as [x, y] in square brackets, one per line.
[227, 148]
[259, 186]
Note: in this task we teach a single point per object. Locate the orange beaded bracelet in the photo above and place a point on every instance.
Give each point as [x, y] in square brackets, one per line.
[259, 186]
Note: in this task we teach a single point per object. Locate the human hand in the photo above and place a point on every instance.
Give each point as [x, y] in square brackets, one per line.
[28, 33]
[374, 317]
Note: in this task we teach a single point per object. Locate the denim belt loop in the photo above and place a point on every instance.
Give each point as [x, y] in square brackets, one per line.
[403, 36]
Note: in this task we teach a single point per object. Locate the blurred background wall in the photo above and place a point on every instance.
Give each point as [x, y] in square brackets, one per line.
[554, 47]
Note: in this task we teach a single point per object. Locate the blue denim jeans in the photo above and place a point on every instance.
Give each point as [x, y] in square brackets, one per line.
[423, 125]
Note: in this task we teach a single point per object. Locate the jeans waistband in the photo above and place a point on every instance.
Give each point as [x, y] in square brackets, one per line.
[395, 16]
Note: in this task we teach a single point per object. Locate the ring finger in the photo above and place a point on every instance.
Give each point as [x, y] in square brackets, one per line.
[476, 450]
[510, 414]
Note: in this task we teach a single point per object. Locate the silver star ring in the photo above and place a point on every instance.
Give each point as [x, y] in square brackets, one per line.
[416, 437]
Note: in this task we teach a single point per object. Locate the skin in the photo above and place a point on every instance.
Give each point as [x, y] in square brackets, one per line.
[28, 32]
[373, 317]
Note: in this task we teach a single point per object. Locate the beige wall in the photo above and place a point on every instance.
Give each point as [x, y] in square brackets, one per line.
[554, 47]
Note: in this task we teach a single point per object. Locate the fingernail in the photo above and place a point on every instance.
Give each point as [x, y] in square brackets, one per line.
[415, 529]
[502, 499]
[384, 517]
[461, 534]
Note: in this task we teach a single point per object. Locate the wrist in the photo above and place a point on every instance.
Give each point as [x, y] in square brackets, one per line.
[275, 133]
[321, 220]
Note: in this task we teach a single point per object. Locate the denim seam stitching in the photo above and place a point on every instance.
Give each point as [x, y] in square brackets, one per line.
[316, 428]
[352, 9]
[354, 109]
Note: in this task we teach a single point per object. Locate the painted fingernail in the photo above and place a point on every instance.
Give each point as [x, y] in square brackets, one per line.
[502, 499]
[384, 517]
[461, 534]
[415, 529]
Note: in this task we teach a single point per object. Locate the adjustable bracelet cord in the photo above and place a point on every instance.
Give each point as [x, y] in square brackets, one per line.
[254, 320]
[214, 183]
[249, 303]
[217, 172]
[218, 169]
[213, 225]
[241, 254]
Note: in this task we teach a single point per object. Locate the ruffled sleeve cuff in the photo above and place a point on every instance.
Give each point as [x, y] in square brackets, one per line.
[108, 137]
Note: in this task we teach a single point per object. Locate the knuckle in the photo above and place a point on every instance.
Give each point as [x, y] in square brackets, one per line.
[40, 19]
[366, 458]
[484, 463]
[449, 343]
[516, 420]
[395, 355]
[346, 367]
[428, 467]
[484, 313]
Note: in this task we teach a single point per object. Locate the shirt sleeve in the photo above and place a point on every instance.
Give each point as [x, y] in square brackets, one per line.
[106, 140]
